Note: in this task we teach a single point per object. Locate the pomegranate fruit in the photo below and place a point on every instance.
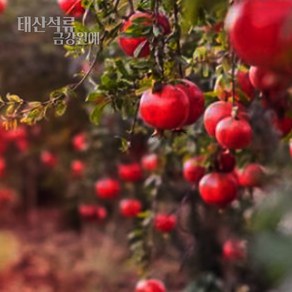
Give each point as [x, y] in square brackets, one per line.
[130, 172]
[2, 166]
[151, 285]
[87, 212]
[129, 44]
[150, 162]
[252, 175]
[167, 109]
[79, 142]
[49, 159]
[72, 7]
[193, 170]
[3, 4]
[107, 188]
[225, 161]
[130, 207]
[164, 223]
[77, 168]
[218, 189]
[234, 133]
[234, 250]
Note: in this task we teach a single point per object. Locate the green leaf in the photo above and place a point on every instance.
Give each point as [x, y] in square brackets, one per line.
[96, 114]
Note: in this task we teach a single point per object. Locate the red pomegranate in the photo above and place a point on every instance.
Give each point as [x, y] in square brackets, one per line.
[87, 212]
[151, 285]
[164, 223]
[283, 125]
[196, 100]
[218, 189]
[226, 161]
[3, 4]
[49, 159]
[101, 213]
[107, 188]
[265, 79]
[79, 142]
[129, 44]
[167, 109]
[234, 250]
[131, 172]
[259, 31]
[130, 207]
[2, 166]
[77, 168]
[252, 175]
[72, 7]
[150, 162]
[193, 169]
[234, 133]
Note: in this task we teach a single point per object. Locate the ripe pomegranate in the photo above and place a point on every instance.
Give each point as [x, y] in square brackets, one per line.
[107, 188]
[72, 7]
[252, 175]
[87, 212]
[151, 285]
[167, 109]
[283, 125]
[150, 162]
[3, 4]
[164, 223]
[226, 161]
[130, 207]
[101, 213]
[265, 79]
[234, 133]
[234, 250]
[259, 31]
[193, 169]
[218, 189]
[2, 166]
[49, 159]
[79, 142]
[196, 100]
[131, 172]
[77, 168]
[129, 44]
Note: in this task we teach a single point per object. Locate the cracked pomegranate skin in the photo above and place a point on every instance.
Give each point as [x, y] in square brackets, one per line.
[167, 109]
[218, 189]
[196, 100]
[107, 188]
[151, 285]
[72, 7]
[130, 172]
[234, 133]
[129, 44]
[193, 171]
[259, 32]
[130, 207]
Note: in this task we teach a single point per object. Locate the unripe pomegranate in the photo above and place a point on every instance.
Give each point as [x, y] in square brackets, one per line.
[77, 168]
[193, 169]
[2, 167]
[151, 285]
[234, 133]
[131, 172]
[49, 159]
[130, 207]
[234, 250]
[226, 161]
[164, 223]
[107, 188]
[259, 32]
[150, 162]
[87, 212]
[167, 109]
[129, 44]
[79, 142]
[3, 4]
[72, 7]
[265, 79]
[196, 100]
[252, 175]
[218, 189]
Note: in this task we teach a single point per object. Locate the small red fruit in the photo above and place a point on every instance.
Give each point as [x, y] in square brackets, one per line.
[101, 213]
[150, 162]
[87, 212]
[72, 7]
[252, 175]
[165, 223]
[234, 133]
[130, 172]
[2, 167]
[226, 161]
[3, 4]
[167, 109]
[77, 168]
[193, 170]
[79, 142]
[234, 250]
[130, 207]
[196, 100]
[151, 285]
[49, 159]
[129, 44]
[218, 189]
[107, 188]
[283, 125]
[265, 79]
[259, 32]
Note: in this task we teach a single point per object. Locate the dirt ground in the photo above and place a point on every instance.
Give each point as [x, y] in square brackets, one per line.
[41, 257]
